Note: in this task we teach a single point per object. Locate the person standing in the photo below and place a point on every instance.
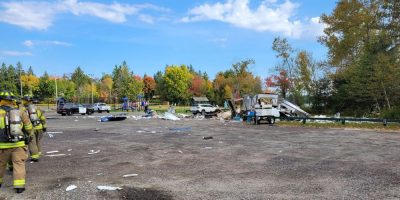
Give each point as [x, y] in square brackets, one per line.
[15, 128]
[38, 121]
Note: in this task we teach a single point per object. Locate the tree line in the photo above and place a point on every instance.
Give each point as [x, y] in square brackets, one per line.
[176, 84]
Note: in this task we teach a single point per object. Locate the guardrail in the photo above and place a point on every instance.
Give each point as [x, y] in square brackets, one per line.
[343, 120]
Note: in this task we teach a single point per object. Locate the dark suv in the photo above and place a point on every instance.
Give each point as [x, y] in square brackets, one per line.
[73, 108]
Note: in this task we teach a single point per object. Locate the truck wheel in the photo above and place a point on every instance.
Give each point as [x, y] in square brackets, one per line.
[69, 113]
[99, 111]
[203, 112]
[63, 114]
[272, 120]
[82, 113]
[108, 111]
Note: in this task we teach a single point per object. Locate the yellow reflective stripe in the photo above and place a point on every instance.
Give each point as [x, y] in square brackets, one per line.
[20, 182]
[2, 124]
[38, 127]
[9, 145]
[36, 156]
[28, 127]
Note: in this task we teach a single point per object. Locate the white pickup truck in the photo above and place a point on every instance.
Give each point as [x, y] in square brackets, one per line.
[100, 107]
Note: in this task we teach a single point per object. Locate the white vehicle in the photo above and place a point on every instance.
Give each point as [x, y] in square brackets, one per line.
[100, 107]
[204, 109]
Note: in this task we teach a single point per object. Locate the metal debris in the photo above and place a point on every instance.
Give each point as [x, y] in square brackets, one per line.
[110, 188]
[71, 187]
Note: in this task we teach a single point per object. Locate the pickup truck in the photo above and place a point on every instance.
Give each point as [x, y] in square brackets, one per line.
[100, 107]
[204, 109]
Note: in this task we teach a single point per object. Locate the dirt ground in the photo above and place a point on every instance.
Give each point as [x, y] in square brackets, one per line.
[173, 161]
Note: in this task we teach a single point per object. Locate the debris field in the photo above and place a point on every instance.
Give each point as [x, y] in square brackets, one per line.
[196, 158]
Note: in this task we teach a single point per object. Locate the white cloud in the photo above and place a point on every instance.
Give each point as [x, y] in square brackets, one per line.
[269, 16]
[30, 43]
[30, 15]
[16, 53]
[40, 15]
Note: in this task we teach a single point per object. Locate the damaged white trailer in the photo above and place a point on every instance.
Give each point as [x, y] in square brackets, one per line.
[269, 107]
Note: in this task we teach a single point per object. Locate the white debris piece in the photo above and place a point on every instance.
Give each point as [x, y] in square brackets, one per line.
[130, 175]
[69, 150]
[51, 135]
[207, 147]
[54, 132]
[111, 188]
[180, 151]
[170, 116]
[50, 152]
[71, 187]
[140, 131]
[154, 132]
[93, 152]
[55, 155]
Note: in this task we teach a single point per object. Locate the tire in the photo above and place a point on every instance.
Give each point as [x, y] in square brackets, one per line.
[83, 114]
[109, 111]
[69, 113]
[203, 112]
[272, 120]
[98, 110]
[63, 114]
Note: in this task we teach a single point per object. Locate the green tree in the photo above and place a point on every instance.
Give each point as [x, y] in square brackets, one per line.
[176, 82]
[46, 87]
[124, 82]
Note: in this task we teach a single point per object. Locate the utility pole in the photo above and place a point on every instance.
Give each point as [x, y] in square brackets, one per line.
[92, 92]
[20, 81]
[92, 79]
[55, 80]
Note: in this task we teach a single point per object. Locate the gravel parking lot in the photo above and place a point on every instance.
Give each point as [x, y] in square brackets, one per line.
[171, 160]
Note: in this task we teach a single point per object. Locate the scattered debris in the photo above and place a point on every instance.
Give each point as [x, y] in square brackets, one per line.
[207, 147]
[208, 137]
[93, 152]
[140, 131]
[99, 174]
[50, 152]
[181, 129]
[129, 175]
[71, 187]
[76, 120]
[51, 135]
[199, 117]
[170, 116]
[56, 155]
[53, 132]
[180, 115]
[225, 115]
[112, 118]
[69, 150]
[180, 151]
[153, 131]
[110, 188]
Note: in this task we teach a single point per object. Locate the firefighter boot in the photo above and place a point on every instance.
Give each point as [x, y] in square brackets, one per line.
[19, 190]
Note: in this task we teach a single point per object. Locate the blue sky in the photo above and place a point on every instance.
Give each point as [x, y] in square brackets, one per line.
[57, 36]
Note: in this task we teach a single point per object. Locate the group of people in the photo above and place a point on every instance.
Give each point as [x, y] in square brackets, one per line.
[22, 126]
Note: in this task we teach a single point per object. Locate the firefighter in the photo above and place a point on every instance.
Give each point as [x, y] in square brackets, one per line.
[15, 128]
[38, 121]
